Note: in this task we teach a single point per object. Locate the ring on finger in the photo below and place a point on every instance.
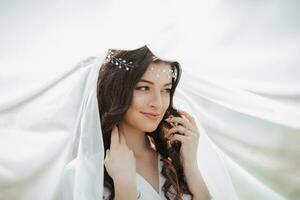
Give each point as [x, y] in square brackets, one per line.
[183, 130]
[175, 124]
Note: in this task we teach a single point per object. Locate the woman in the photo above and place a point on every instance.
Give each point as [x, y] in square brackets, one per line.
[150, 147]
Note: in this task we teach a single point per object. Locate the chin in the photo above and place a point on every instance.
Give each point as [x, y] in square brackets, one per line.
[150, 128]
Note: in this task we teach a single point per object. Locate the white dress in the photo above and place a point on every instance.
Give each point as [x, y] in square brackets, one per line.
[145, 189]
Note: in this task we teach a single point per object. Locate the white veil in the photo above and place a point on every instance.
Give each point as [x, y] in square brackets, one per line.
[83, 176]
[240, 80]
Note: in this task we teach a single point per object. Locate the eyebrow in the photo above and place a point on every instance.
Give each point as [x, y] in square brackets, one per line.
[143, 80]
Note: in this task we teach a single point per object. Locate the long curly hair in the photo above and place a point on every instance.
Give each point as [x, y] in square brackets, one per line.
[114, 93]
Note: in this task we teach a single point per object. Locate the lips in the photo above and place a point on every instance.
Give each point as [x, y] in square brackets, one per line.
[152, 116]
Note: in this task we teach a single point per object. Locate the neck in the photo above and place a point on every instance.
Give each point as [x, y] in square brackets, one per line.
[136, 140]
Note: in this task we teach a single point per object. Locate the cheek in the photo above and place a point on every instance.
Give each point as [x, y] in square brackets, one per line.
[166, 101]
[138, 100]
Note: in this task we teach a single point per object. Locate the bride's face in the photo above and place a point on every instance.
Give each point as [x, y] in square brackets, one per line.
[151, 95]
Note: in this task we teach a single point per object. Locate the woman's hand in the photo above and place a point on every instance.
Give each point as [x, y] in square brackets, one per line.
[188, 136]
[119, 161]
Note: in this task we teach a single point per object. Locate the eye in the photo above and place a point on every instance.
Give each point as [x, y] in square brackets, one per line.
[168, 90]
[143, 88]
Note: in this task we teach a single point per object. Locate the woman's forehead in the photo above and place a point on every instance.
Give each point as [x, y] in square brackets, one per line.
[158, 72]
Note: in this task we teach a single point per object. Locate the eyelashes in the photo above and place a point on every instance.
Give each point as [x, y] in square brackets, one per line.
[142, 88]
[145, 88]
[168, 90]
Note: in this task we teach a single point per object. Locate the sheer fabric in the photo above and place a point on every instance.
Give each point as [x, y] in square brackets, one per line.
[88, 165]
[240, 80]
[51, 134]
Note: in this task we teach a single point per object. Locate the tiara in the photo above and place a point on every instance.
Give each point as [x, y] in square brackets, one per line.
[122, 63]
[119, 62]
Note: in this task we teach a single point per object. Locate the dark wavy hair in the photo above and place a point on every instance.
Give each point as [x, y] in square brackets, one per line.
[114, 93]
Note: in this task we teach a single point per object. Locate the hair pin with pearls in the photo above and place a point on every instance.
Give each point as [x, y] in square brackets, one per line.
[170, 72]
[122, 63]
[119, 62]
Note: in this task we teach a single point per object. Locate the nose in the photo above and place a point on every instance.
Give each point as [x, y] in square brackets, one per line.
[156, 100]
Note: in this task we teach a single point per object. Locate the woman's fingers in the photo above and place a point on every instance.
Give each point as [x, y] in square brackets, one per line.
[122, 139]
[179, 129]
[183, 121]
[114, 137]
[178, 137]
[106, 156]
[117, 137]
[188, 116]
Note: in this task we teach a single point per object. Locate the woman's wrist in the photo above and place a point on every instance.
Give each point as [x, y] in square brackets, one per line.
[195, 181]
[125, 188]
[125, 180]
[191, 166]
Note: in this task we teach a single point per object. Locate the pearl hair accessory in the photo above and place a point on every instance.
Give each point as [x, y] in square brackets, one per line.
[119, 62]
[122, 63]
[170, 72]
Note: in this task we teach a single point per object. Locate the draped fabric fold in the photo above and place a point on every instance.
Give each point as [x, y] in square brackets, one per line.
[83, 176]
[240, 81]
[57, 140]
